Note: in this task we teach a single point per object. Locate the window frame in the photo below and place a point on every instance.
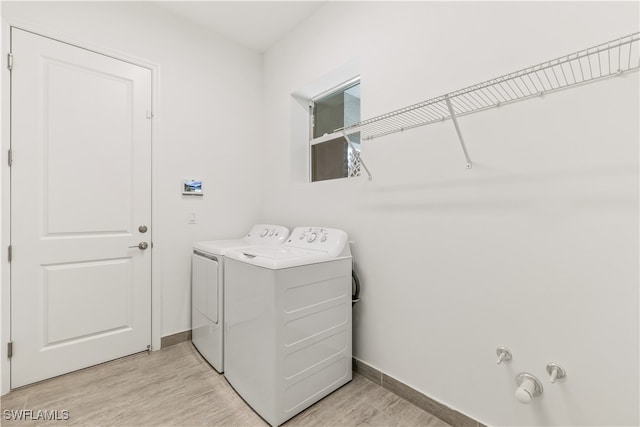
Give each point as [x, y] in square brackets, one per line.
[342, 87]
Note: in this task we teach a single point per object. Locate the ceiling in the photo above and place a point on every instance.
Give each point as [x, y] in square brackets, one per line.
[257, 25]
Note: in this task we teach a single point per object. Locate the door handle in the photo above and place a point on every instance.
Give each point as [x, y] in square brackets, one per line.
[141, 246]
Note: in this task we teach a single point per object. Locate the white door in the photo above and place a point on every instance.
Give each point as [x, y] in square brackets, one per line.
[80, 190]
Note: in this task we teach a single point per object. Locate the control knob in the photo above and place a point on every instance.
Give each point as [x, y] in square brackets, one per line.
[312, 238]
[265, 232]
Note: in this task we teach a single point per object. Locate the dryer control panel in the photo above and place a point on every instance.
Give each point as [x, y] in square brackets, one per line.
[329, 240]
[268, 233]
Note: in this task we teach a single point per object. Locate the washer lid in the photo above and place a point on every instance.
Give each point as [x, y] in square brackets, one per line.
[307, 245]
[276, 258]
[278, 252]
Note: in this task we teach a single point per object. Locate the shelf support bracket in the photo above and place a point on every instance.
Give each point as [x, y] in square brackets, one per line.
[344, 133]
[454, 119]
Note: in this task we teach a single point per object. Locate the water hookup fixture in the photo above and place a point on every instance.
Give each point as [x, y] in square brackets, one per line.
[504, 354]
[529, 386]
[355, 288]
[556, 372]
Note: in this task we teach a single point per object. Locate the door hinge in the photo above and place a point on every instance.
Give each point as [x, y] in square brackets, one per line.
[10, 158]
[10, 349]
[10, 253]
[149, 114]
[10, 61]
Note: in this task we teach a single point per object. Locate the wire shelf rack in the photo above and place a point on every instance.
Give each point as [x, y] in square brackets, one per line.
[605, 60]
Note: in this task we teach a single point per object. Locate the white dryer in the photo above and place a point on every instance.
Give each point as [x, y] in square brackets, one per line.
[207, 287]
[288, 321]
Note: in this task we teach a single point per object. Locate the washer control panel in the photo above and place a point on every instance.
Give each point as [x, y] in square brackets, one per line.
[328, 240]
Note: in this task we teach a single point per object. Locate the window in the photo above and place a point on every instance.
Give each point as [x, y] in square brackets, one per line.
[331, 155]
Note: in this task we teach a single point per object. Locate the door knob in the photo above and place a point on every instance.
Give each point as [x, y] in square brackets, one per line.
[141, 246]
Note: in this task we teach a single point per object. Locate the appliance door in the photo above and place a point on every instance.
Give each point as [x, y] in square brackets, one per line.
[206, 312]
[205, 285]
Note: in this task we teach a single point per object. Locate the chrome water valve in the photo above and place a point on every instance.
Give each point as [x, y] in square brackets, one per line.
[504, 354]
[556, 372]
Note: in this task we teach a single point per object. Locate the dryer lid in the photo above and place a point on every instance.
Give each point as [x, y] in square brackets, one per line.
[260, 234]
[220, 247]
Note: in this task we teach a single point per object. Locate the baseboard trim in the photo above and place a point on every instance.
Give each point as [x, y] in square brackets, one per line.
[440, 410]
[174, 339]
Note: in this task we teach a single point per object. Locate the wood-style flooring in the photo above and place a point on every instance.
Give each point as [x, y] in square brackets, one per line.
[176, 387]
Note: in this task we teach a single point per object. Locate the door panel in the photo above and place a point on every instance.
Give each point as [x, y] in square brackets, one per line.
[81, 186]
[103, 145]
[102, 296]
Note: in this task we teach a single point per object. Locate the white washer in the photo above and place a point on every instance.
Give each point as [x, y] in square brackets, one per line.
[288, 322]
[207, 287]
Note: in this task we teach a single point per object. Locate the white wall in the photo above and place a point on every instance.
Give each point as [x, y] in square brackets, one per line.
[208, 127]
[535, 248]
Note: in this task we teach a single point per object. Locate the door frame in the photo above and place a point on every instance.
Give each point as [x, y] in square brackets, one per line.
[5, 182]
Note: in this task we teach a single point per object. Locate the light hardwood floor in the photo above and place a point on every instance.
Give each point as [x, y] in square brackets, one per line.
[176, 387]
